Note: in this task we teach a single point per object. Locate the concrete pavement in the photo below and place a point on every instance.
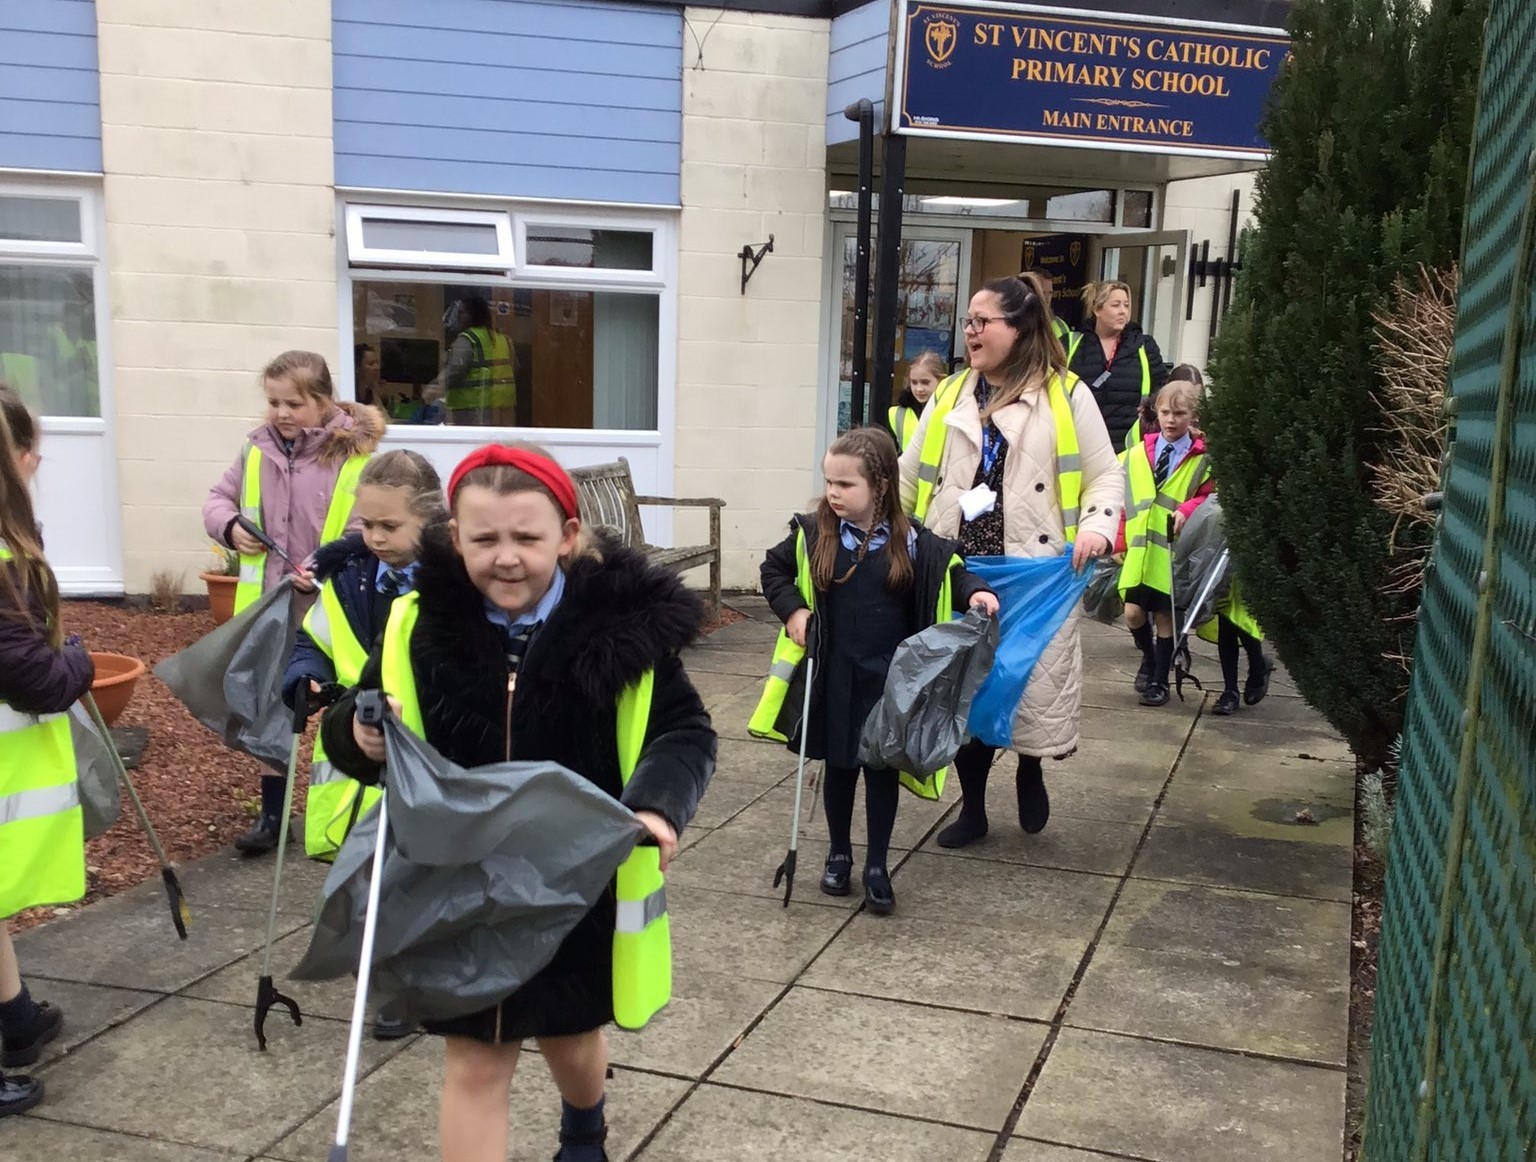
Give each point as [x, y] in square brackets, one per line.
[1161, 975]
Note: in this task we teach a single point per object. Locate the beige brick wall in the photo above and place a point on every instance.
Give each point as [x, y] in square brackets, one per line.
[1203, 206]
[216, 143]
[754, 164]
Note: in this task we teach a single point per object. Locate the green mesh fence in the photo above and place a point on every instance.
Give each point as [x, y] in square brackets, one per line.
[1453, 1058]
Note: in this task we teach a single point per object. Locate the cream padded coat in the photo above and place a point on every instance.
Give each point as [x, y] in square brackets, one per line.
[1046, 723]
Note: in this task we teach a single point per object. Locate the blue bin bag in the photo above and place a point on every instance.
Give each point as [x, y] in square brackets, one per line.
[1036, 596]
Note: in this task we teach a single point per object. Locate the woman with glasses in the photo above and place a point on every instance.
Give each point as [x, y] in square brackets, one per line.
[1012, 458]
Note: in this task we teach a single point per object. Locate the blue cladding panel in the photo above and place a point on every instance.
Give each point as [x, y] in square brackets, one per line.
[50, 96]
[860, 47]
[525, 98]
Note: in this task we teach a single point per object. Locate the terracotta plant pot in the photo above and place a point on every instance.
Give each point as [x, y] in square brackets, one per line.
[116, 676]
[221, 595]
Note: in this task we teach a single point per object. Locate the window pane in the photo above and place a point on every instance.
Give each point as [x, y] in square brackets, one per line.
[505, 357]
[588, 249]
[48, 338]
[442, 237]
[40, 219]
[1138, 209]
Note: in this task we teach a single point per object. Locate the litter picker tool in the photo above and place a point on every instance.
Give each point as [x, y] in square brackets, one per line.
[371, 710]
[266, 992]
[267, 542]
[1183, 664]
[786, 872]
[180, 914]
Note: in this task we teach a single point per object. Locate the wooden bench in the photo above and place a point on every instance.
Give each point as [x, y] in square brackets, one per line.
[606, 493]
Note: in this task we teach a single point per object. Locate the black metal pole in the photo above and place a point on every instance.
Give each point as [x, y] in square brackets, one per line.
[862, 111]
[893, 176]
[1226, 286]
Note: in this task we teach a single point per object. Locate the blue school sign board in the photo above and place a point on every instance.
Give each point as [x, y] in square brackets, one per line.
[1053, 77]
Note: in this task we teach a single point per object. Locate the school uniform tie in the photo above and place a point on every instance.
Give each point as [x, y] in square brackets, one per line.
[392, 584]
[516, 639]
[1160, 473]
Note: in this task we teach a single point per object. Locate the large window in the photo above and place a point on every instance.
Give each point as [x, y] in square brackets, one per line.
[48, 303]
[566, 333]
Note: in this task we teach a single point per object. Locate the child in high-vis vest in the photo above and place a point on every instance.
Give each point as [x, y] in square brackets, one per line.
[42, 833]
[296, 479]
[870, 577]
[526, 639]
[922, 378]
[1167, 478]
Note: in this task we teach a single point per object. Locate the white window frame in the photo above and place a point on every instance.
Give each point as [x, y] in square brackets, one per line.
[88, 249]
[660, 281]
[360, 254]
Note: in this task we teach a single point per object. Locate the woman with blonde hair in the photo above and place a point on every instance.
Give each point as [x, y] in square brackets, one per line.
[1012, 459]
[1119, 362]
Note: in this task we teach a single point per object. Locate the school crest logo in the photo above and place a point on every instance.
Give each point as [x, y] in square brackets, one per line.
[1028, 262]
[940, 37]
[1074, 252]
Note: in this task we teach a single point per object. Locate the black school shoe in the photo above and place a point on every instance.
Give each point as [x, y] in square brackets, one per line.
[1144, 674]
[1257, 685]
[18, 1093]
[261, 838]
[835, 880]
[584, 1147]
[879, 896]
[24, 1046]
[1226, 704]
[1156, 694]
[391, 1028]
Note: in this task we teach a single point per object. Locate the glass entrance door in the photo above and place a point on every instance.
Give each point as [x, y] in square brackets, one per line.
[933, 279]
[1154, 265]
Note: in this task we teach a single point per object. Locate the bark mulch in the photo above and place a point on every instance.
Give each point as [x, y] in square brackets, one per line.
[198, 795]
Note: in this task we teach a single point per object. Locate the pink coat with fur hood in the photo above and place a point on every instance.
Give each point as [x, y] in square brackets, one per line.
[296, 486]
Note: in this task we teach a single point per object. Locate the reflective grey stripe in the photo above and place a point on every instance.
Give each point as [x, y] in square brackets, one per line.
[39, 803]
[782, 670]
[1070, 516]
[635, 916]
[1171, 503]
[1070, 463]
[323, 772]
[12, 720]
[1140, 507]
[318, 625]
[928, 473]
[1137, 542]
[250, 574]
[1156, 538]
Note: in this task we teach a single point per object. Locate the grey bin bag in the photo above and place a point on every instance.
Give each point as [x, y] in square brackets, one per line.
[232, 679]
[486, 871]
[1102, 600]
[920, 721]
[1197, 559]
[101, 795]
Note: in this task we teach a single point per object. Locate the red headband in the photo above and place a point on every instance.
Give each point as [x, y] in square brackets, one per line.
[541, 468]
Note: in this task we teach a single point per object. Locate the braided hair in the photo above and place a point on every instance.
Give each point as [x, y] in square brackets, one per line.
[875, 451]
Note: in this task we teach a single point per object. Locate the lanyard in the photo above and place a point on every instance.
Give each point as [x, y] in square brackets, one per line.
[991, 445]
[1109, 359]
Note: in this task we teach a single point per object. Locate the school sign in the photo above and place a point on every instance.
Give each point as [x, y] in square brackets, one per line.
[988, 71]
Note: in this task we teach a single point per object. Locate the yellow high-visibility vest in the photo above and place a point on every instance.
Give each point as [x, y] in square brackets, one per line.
[253, 565]
[1134, 435]
[1069, 460]
[787, 656]
[1149, 512]
[491, 381]
[331, 803]
[42, 830]
[903, 424]
[642, 936]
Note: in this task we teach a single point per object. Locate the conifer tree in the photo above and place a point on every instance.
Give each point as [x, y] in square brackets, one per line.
[1370, 128]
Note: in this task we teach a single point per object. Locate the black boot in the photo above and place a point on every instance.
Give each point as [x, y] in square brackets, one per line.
[24, 1042]
[1142, 636]
[19, 1093]
[1257, 686]
[1034, 803]
[1157, 689]
[879, 896]
[972, 763]
[261, 838]
[388, 1027]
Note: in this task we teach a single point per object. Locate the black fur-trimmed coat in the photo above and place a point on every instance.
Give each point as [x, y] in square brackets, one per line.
[618, 618]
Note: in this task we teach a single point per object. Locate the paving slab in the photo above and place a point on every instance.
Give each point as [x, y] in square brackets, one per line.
[1068, 841]
[742, 861]
[236, 985]
[1230, 970]
[715, 688]
[752, 761]
[395, 1115]
[230, 880]
[1253, 733]
[1301, 815]
[762, 1128]
[1029, 1150]
[770, 815]
[1284, 867]
[961, 1068]
[128, 942]
[89, 1010]
[1177, 1103]
[746, 659]
[189, 1071]
[735, 936]
[708, 1012]
[948, 963]
[1136, 759]
[1163, 725]
[726, 798]
[1008, 898]
[35, 1139]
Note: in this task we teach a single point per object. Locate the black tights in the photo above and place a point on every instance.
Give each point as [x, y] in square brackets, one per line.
[973, 762]
[1228, 638]
[881, 794]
